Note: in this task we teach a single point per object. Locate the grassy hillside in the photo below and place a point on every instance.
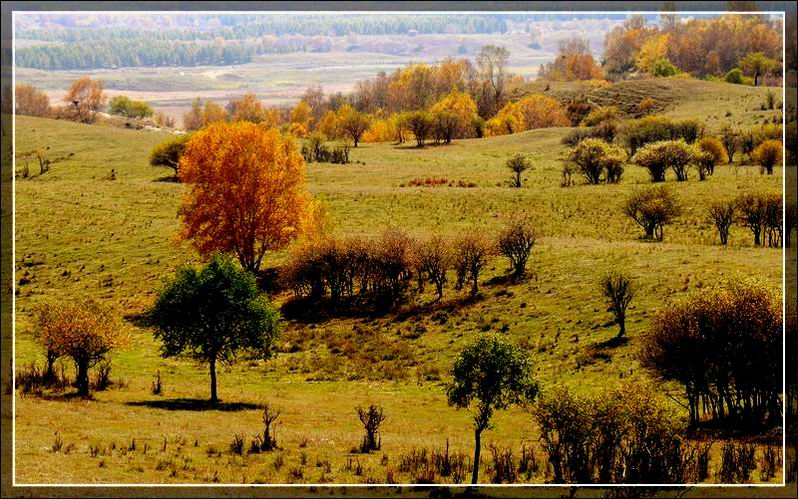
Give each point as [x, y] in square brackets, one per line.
[79, 233]
[714, 103]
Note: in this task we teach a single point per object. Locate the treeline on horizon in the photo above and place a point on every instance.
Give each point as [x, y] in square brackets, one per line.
[700, 38]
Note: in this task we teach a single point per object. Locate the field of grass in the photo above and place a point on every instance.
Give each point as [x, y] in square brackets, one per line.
[78, 233]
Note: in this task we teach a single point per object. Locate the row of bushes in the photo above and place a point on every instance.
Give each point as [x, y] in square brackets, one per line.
[378, 273]
[660, 144]
[657, 206]
[759, 212]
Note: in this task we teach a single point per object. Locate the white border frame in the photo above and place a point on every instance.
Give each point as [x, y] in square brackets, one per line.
[14, 483]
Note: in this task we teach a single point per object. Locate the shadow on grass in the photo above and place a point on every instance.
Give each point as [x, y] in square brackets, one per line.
[141, 320]
[613, 342]
[309, 311]
[174, 179]
[185, 404]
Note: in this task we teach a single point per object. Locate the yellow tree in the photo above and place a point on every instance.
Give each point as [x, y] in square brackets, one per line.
[380, 130]
[212, 112]
[85, 97]
[301, 117]
[462, 106]
[247, 108]
[329, 126]
[193, 119]
[541, 111]
[247, 191]
[653, 50]
[81, 329]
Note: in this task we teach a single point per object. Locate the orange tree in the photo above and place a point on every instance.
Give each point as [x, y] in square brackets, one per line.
[85, 97]
[83, 330]
[247, 191]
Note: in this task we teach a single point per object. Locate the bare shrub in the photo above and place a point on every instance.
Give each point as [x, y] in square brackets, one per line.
[625, 436]
[527, 462]
[772, 229]
[470, 257]
[503, 466]
[617, 288]
[790, 220]
[737, 463]
[432, 260]
[731, 141]
[750, 208]
[721, 214]
[424, 465]
[237, 444]
[515, 243]
[157, 384]
[371, 418]
[269, 442]
[103, 379]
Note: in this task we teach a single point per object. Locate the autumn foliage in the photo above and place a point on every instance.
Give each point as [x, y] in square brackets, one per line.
[247, 191]
[83, 330]
[31, 101]
[534, 111]
[85, 98]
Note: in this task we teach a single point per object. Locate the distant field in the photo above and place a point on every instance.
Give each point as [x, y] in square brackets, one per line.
[279, 78]
[80, 234]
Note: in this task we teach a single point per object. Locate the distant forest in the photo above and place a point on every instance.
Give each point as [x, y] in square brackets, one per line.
[231, 39]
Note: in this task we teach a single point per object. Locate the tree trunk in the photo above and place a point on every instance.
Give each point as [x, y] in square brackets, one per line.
[82, 380]
[622, 324]
[475, 473]
[214, 398]
[49, 375]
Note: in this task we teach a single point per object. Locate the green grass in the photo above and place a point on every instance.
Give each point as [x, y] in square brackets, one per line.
[78, 234]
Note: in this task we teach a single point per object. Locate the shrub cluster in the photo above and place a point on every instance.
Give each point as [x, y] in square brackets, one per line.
[724, 346]
[658, 157]
[639, 132]
[359, 274]
[598, 161]
[316, 150]
[626, 436]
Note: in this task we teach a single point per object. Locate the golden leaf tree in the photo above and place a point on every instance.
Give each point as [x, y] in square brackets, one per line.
[85, 98]
[247, 191]
[81, 329]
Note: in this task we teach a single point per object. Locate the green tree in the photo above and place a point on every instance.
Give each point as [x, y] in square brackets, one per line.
[663, 68]
[168, 153]
[212, 314]
[495, 375]
[758, 64]
[353, 123]
[420, 124]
